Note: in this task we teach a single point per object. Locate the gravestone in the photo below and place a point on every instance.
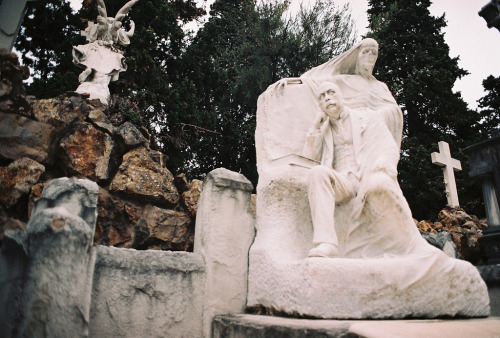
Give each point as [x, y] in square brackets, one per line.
[449, 164]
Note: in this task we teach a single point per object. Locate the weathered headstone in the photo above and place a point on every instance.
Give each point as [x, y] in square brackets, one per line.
[53, 298]
[450, 165]
[224, 233]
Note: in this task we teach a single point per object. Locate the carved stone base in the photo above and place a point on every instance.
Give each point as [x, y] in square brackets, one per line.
[424, 283]
[366, 288]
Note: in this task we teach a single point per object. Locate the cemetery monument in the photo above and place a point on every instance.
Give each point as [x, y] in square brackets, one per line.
[337, 239]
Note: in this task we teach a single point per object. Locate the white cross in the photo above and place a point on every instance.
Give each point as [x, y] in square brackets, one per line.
[443, 159]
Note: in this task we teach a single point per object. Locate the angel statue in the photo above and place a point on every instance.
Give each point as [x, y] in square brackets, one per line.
[102, 57]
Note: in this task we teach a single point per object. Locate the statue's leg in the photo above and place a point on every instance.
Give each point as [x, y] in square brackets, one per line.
[326, 187]
[321, 195]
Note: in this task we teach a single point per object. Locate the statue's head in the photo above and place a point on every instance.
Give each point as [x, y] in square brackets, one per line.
[330, 99]
[367, 56]
[117, 25]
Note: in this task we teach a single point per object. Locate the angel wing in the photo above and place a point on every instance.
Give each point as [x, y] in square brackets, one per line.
[124, 10]
[101, 8]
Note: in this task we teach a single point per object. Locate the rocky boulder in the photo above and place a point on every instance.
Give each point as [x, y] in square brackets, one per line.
[189, 198]
[464, 229]
[24, 137]
[165, 230]
[62, 110]
[139, 205]
[17, 179]
[141, 177]
[87, 152]
[12, 93]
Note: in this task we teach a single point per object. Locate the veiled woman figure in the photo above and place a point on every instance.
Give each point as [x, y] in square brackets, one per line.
[353, 73]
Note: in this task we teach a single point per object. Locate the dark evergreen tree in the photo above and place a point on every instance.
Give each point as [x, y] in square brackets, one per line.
[244, 47]
[414, 61]
[490, 106]
[49, 30]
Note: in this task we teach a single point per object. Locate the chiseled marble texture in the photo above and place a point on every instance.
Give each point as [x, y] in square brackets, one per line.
[384, 269]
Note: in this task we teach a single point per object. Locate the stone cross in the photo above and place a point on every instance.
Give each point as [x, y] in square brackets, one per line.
[449, 164]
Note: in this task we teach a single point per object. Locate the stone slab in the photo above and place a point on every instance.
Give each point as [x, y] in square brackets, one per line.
[230, 326]
[146, 293]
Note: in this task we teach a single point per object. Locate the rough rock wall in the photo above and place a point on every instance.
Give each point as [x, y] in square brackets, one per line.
[141, 204]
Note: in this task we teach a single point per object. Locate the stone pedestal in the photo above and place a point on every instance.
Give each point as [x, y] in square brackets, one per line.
[224, 233]
[233, 326]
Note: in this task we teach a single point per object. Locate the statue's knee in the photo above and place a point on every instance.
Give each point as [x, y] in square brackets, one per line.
[319, 173]
[379, 183]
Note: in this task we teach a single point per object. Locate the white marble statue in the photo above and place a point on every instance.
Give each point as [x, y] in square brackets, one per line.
[337, 239]
[102, 57]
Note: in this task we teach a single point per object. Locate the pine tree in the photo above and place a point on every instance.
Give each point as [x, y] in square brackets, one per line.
[490, 106]
[414, 61]
[244, 47]
[49, 30]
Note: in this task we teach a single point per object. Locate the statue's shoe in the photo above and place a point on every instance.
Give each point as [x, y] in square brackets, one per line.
[324, 250]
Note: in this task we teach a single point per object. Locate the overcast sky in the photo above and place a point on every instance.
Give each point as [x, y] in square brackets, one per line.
[466, 33]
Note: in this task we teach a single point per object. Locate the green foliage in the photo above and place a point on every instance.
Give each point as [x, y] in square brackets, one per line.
[49, 31]
[242, 49]
[197, 95]
[414, 61]
[490, 104]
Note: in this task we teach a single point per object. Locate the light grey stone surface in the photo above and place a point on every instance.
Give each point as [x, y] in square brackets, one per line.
[147, 294]
[233, 326]
[443, 241]
[224, 232]
[46, 271]
[55, 301]
[78, 196]
[13, 260]
[383, 268]
[130, 135]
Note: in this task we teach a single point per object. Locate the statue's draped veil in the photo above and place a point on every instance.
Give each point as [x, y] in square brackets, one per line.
[344, 64]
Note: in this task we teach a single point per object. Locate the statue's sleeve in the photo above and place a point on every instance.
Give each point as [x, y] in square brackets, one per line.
[313, 145]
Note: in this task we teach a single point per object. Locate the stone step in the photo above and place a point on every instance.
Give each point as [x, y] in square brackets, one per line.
[239, 326]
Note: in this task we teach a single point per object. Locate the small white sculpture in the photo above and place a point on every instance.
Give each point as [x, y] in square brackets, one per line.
[102, 58]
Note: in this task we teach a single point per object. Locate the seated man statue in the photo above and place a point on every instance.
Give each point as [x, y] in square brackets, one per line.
[332, 141]
[335, 235]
